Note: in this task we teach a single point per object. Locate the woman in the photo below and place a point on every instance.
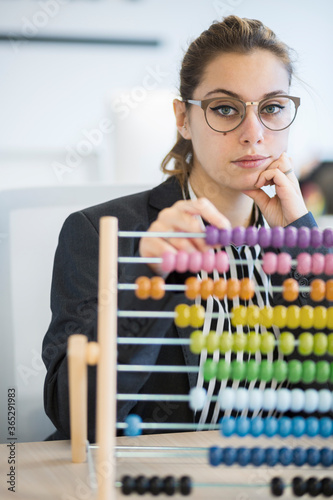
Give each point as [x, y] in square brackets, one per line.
[233, 123]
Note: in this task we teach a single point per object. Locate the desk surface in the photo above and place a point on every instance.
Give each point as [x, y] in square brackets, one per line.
[44, 470]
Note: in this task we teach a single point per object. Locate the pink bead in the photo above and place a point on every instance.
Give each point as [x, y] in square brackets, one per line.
[269, 263]
[222, 261]
[182, 261]
[304, 263]
[208, 261]
[195, 261]
[284, 263]
[317, 263]
[168, 262]
[329, 264]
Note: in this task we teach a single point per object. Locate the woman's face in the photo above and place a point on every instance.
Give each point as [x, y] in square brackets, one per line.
[217, 159]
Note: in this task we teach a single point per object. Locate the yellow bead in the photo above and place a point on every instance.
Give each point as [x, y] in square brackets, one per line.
[293, 316]
[197, 316]
[253, 342]
[253, 315]
[280, 316]
[240, 341]
[330, 318]
[320, 341]
[238, 315]
[319, 317]
[226, 342]
[212, 342]
[306, 319]
[182, 318]
[266, 316]
[305, 343]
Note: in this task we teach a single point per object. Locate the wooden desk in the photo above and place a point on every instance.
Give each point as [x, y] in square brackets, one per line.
[45, 471]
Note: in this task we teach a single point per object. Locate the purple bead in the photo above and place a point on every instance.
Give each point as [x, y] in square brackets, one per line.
[212, 235]
[290, 236]
[328, 237]
[264, 237]
[225, 236]
[277, 237]
[238, 236]
[316, 237]
[251, 236]
[303, 237]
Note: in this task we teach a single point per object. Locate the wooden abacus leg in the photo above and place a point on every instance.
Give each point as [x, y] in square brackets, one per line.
[107, 364]
[77, 372]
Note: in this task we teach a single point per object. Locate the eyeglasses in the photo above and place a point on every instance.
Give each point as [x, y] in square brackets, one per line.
[224, 114]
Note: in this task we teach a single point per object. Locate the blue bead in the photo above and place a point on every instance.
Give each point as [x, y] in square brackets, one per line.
[313, 456]
[325, 427]
[228, 425]
[133, 425]
[299, 456]
[298, 426]
[242, 426]
[326, 457]
[215, 455]
[243, 456]
[272, 456]
[270, 426]
[312, 426]
[229, 455]
[284, 426]
[285, 456]
[257, 456]
[256, 426]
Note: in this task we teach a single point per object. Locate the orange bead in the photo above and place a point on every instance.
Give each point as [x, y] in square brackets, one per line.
[220, 288]
[329, 290]
[318, 290]
[233, 288]
[143, 287]
[290, 290]
[157, 290]
[206, 288]
[192, 289]
[246, 289]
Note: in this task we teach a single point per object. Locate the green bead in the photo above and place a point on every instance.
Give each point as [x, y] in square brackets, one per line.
[267, 343]
[319, 344]
[286, 343]
[212, 342]
[197, 342]
[330, 344]
[280, 370]
[253, 342]
[240, 340]
[308, 371]
[209, 370]
[223, 370]
[305, 343]
[322, 371]
[251, 370]
[331, 373]
[226, 341]
[266, 371]
[294, 371]
[237, 370]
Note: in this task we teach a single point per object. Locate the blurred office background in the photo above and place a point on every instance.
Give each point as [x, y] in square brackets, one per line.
[86, 89]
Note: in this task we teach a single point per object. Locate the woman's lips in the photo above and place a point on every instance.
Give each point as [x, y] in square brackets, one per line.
[251, 161]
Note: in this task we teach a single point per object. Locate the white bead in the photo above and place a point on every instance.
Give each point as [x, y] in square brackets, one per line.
[198, 396]
[311, 400]
[226, 398]
[269, 399]
[241, 399]
[297, 400]
[324, 400]
[283, 400]
[255, 399]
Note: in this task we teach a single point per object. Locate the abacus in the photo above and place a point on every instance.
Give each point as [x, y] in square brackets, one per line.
[270, 429]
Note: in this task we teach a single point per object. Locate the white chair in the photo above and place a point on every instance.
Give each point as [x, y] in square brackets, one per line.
[30, 222]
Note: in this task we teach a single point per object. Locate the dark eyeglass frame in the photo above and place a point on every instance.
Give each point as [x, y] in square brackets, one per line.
[205, 103]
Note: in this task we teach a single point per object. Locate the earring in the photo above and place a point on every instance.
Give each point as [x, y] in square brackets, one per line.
[184, 127]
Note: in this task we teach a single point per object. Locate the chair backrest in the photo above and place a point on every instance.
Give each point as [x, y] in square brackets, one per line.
[30, 222]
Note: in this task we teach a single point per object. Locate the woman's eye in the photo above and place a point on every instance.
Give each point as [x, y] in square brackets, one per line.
[224, 110]
[272, 109]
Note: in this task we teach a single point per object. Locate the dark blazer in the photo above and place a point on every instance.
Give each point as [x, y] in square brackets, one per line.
[74, 307]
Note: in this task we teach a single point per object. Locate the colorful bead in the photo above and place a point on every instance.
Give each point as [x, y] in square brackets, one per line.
[317, 263]
[253, 342]
[237, 370]
[241, 399]
[277, 237]
[143, 287]
[316, 237]
[285, 456]
[251, 236]
[227, 426]
[240, 341]
[269, 263]
[290, 236]
[329, 290]
[238, 236]
[280, 316]
[283, 401]
[328, 237]
[182, 259]
[294, 371]
[277, 487]
[243, 456]
[252, 315]
[257, 456]
[157, 290]
[251, 370]
[222, 261]
[133, 425]
[209, 370]
[270, 426]
[246, 289]
[238, 315]
[168, 262]
[319, 344]
[267, 343]
[325, 427]
[229, 455]
[272, 456]
[212, 235]
[255, 399]
[330, 342]
[286, 343]
[328, 268]
[220, 288]
[192, 289]
[299, 455]
[305, 343]
[197, 316]
[266, 316]
[304, 263]
[264, 237]
[212, 342]
[195, 261]
[233, 288]
[312, 426]
[242, 426]
[324, 400]
[284, 427]
[269, 399]
[265, 371]
[306, 317]
[308, 371]
[206, 288]
[182, 318]
[256, 426]
[297, 400]
[226, 342]
[317, 290]
[198, 396]
[283, 263]
[319, 317]
[298, 428]
[215, 455]
[223, 370]
[322, 371]
[290, 290]
[280, 370]
[293, 317]
[226, 398]
[225, 237]
[208, 261]
[303, 237]
[197, 342]
[311, 401]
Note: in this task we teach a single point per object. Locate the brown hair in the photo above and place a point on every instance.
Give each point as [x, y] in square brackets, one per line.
[233, 34]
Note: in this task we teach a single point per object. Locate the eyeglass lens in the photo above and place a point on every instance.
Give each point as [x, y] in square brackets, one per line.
[226, 114]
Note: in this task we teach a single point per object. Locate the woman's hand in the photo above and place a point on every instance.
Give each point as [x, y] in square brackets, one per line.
[181, 217]
[288, 204]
